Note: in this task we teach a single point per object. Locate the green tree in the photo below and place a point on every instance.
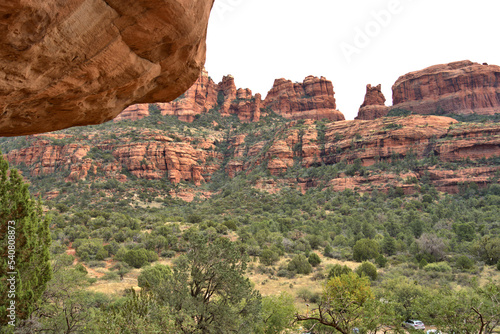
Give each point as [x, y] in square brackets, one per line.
[365, 249]
[300, 265]
[66, 306]
[314, 259]
[389, 245]
[207, 292]
[154, 276]
[268, 257]
[338, 270]
[138, 258]
[277, 312]
[24, 245]
[367, 269]
[488, 249]
[344, 304]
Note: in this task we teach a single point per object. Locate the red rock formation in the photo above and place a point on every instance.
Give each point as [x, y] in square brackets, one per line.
[80, 62]
[373, 106]
[133, 113]
[153, 157]
[312, 99]
[461, 87]
[246, 107]
[198, 99]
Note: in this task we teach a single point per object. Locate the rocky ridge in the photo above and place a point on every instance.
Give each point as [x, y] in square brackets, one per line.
[157, 155]
[312, 99]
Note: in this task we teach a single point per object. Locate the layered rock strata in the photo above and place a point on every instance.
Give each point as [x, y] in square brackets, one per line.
[311, 99]
[461, 87]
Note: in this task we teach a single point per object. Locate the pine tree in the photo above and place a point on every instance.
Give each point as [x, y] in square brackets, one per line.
[21, 218]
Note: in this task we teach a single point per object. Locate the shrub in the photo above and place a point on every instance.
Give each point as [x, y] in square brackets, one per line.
[463, 262]
[381, 261]
[441, 267]
[308, 296]
[153, 276]
[268, 257]
[328, 251]
[367, 269]
[338, 270]
[300, 265]
[138, 258]
[111, 276]
[314, 259]
[365, 249]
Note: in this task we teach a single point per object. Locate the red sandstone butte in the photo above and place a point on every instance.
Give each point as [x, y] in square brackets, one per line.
[461, 87]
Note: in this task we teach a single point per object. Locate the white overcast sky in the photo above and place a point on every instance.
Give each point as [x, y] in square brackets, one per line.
[258, 41]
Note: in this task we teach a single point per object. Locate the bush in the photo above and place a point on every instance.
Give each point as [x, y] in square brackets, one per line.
[328, 251]
[441, 267]
[308, 296]
[314, 259]
[153, 276]
[365, 249]
[338, 270]
[300, 265]
[138, 258]
[464, 263]
[111, 276]
[381, 261]
[367, 269]
[268, 257]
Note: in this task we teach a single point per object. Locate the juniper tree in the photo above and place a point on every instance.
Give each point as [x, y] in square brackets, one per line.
[22, 221]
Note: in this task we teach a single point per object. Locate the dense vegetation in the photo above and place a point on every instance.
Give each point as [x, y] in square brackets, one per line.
[428, 255]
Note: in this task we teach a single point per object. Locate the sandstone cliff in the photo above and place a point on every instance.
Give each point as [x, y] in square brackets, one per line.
[311, 99]
[165, 155]
[461, 87]
[79, 62]
[373, 106]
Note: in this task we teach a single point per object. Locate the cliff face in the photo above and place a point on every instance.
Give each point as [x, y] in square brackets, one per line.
[152, 155]
[157, 154]
[373, 106]
[311, 99]
[380, 140]
[461, 87]
[80, 62]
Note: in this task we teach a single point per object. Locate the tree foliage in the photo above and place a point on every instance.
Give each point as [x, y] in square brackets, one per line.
[343, 304]
[207, 292]
[23, 229]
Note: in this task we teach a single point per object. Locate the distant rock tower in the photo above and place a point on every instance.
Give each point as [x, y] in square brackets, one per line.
[374, 105]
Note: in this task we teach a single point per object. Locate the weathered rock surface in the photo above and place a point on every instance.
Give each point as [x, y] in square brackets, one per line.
[461, 87]
[175, 157]
[151, 156]
[373, 106]
[311, 99]
[378, 140]
[80, 62]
